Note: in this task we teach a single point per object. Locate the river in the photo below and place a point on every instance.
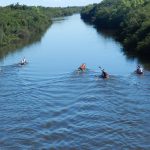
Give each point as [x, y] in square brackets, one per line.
[46, 104]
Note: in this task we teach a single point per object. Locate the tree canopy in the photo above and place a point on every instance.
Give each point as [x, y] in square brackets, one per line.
[19, 24]
[131, 19]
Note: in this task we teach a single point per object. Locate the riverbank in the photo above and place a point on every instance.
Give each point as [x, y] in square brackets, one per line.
[21, 25]
[129, 19]
[71, 110]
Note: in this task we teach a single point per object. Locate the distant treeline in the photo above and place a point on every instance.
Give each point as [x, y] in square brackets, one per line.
[130, 19]
[19, 24]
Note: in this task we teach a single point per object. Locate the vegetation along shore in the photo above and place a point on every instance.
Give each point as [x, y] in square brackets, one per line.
[21, 24]
[130, 19]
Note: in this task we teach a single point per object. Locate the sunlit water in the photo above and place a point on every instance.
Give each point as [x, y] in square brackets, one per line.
[46, 104]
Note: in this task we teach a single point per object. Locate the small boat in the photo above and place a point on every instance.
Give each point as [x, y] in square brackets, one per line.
[105, 77]
[22, 63]
[104, 74]
[139, 72]
[80, 69]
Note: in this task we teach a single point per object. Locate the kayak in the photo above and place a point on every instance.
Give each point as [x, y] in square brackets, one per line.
[139, 72]
[22, 63]
[105, 77]
[80, 69]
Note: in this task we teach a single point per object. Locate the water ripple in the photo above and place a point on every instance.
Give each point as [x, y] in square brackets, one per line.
[73, 111]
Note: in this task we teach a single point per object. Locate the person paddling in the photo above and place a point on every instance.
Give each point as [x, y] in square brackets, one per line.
[82, 67]
[139, 70]
[23, 61]
[104, 74]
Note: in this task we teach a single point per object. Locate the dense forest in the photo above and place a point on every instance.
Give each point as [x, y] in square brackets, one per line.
[130, 19]
[21, 24]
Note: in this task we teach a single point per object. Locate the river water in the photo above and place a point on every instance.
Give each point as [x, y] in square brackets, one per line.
[47, 104]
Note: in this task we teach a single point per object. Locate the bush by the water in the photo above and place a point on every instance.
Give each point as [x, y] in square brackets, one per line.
[130, 18]
[19, 24]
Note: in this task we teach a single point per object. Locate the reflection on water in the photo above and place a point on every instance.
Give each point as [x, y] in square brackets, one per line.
[46, 104]
[4, 51]
[129, 55]
[141, 59]
[70, 42]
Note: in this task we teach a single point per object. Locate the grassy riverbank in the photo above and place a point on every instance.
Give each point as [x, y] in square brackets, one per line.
[129, 19]
[20, 24]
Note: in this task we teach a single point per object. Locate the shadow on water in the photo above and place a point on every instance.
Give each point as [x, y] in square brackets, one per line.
[12, 48]
[106, 33]
[130, 55]
[141, 59]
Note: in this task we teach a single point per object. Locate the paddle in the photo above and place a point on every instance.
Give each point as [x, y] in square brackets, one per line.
[100, 68]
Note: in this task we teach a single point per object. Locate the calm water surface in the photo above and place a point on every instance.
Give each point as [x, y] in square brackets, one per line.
[48, 105]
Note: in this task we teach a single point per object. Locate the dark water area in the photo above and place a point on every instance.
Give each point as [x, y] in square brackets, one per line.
[47, 104]
[18, 46]
[143, 59]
